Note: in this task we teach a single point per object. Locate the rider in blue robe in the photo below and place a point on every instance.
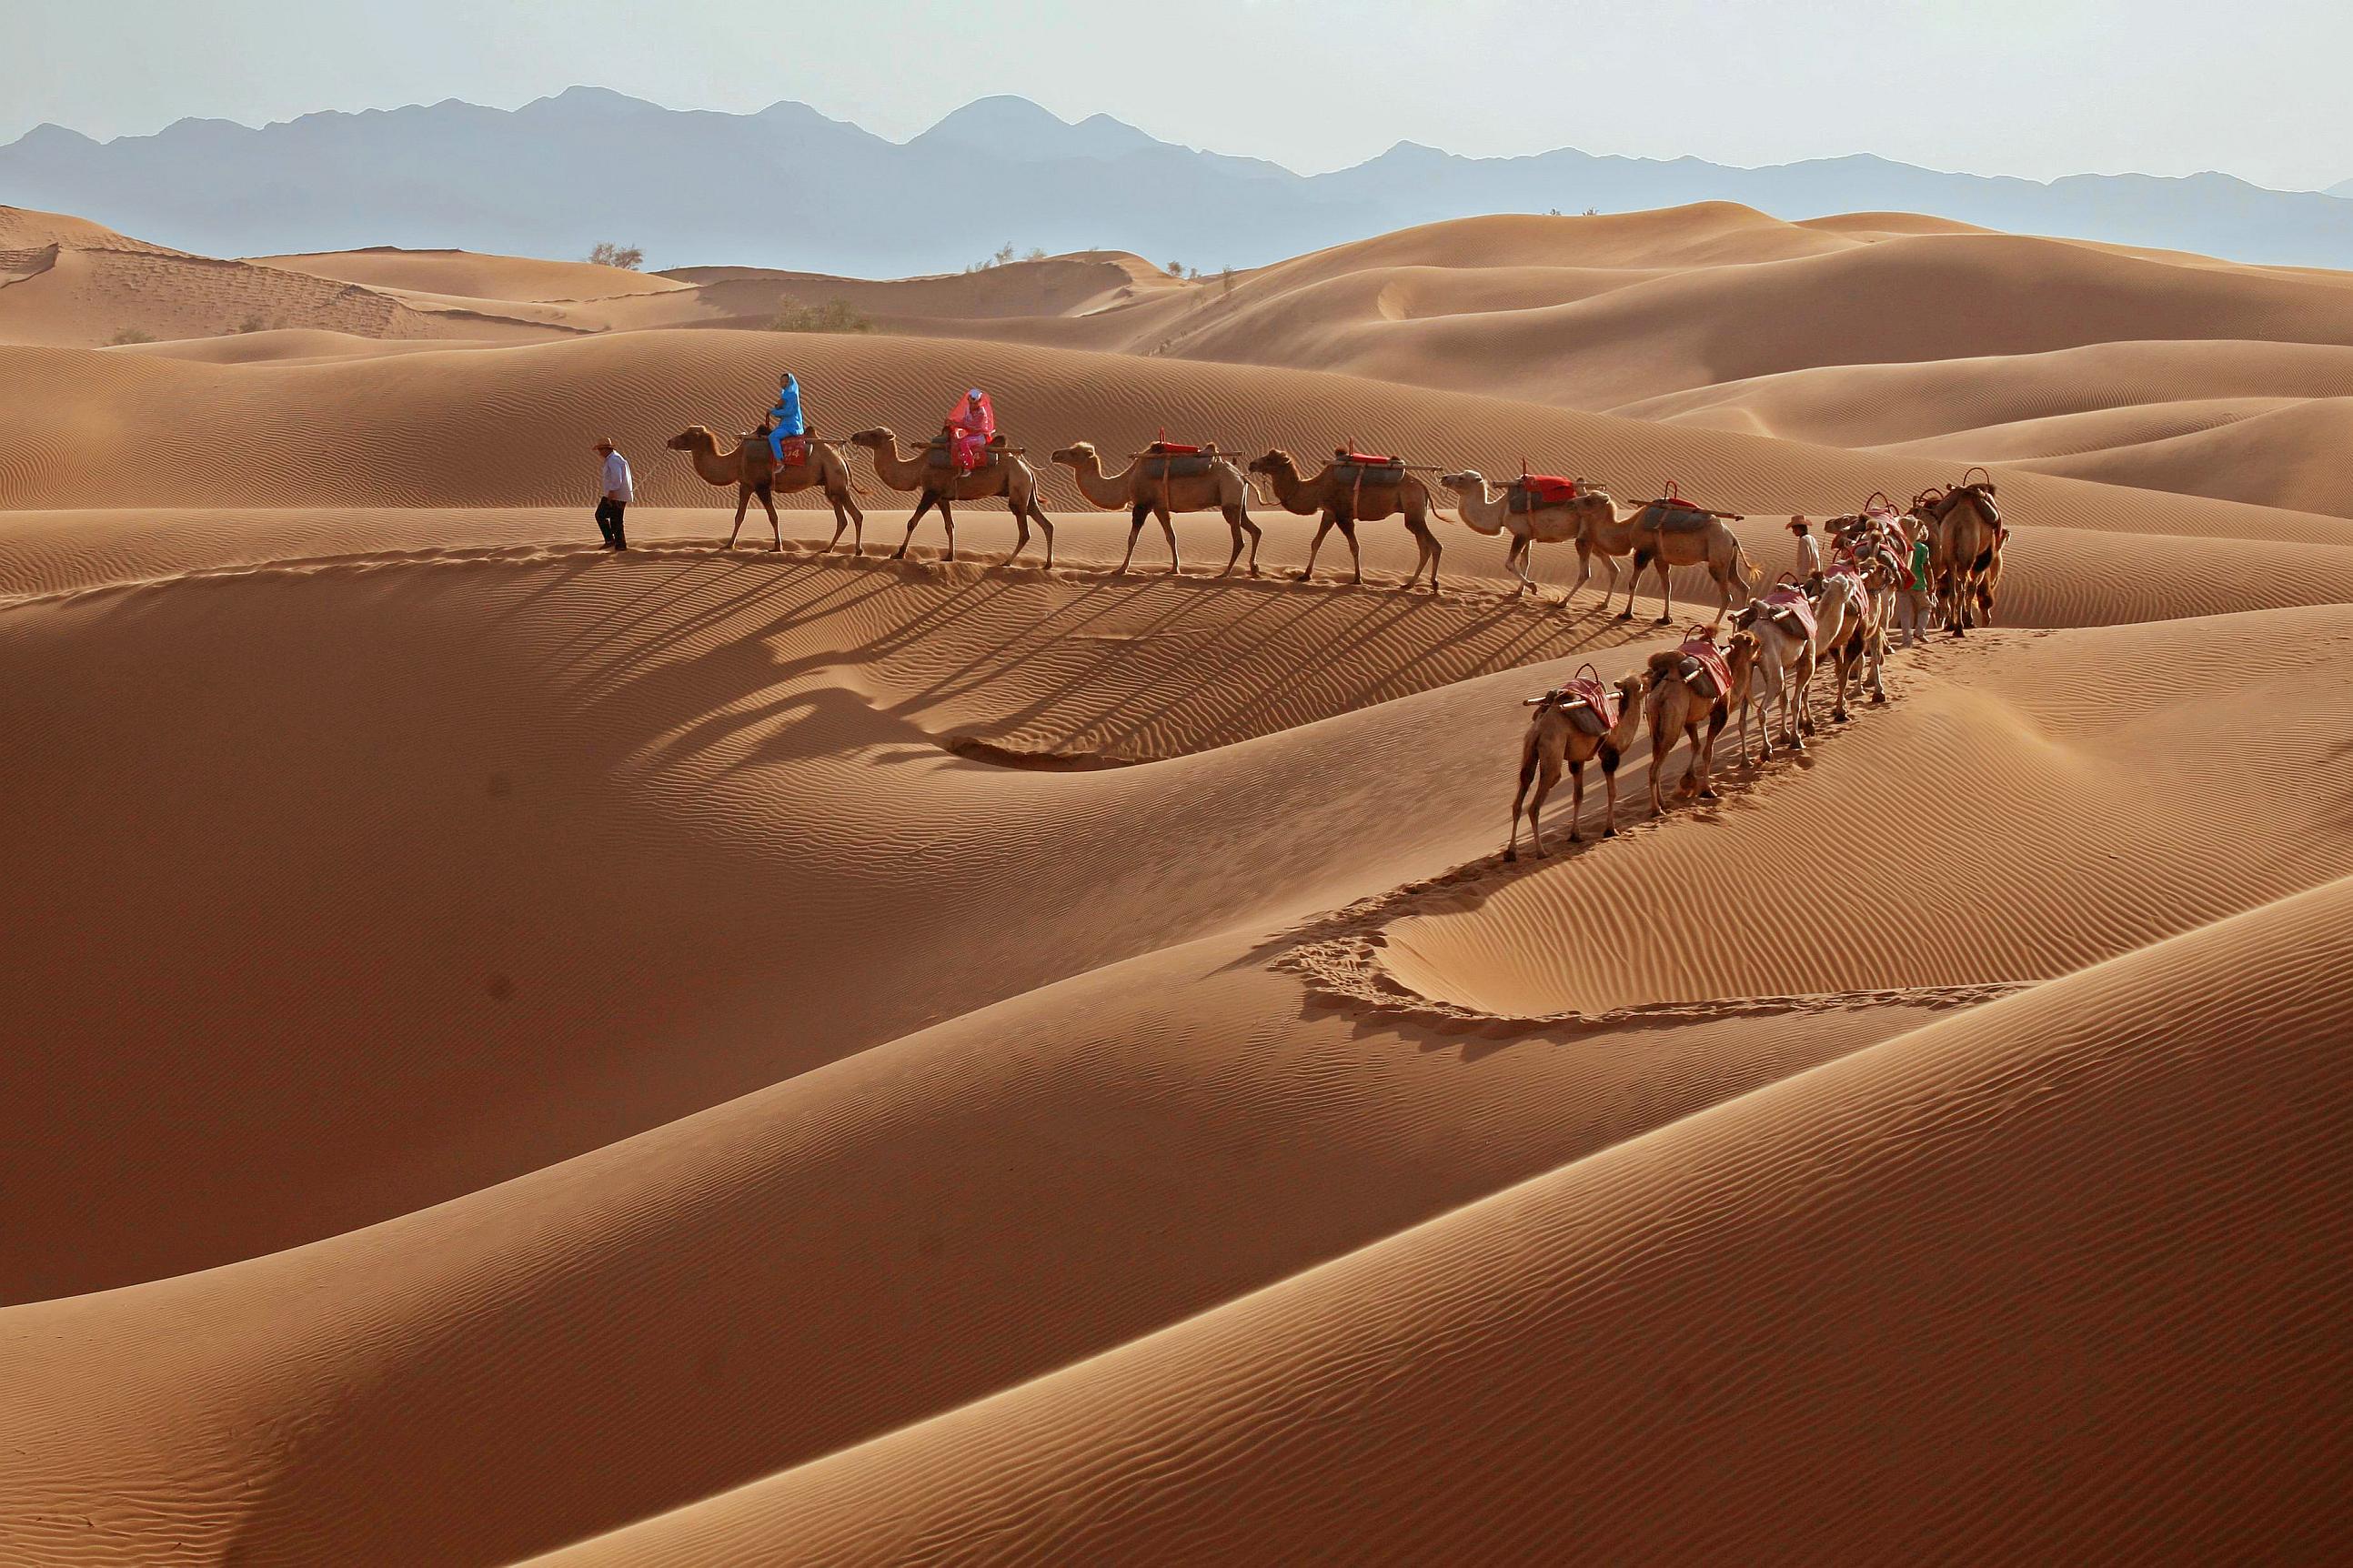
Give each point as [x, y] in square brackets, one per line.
[785, 418]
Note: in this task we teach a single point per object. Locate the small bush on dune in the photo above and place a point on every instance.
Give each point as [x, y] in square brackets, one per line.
[833, 316]
[605, 253]
[129, 335]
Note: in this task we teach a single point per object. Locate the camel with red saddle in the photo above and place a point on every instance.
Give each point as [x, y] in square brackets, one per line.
[1964, 540]
[1848, 634]
[1574, 724]
[753, 470]
[1690, 698]
[1163, 479]
[933, 475]
[1672, 532]
[1354, 488]
[1783, 623]
[1534, 508]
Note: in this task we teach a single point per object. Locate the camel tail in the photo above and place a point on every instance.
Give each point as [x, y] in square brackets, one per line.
[1751, 577]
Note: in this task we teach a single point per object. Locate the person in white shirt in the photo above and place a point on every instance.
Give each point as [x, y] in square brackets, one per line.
[1809, 551]
[614, 495]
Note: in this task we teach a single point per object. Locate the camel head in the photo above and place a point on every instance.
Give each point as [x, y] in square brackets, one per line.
[691, 438]
[1741, 651]
[1274, 463]
[1075, 454]
[1631, 689]
[881, 438]
[1469, 482]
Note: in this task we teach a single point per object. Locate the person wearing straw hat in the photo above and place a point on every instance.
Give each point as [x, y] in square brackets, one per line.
[1809, 551]
[614, 495]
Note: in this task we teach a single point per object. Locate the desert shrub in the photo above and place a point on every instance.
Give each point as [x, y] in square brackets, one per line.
[132, 336]
[833, 316]
[627, 258]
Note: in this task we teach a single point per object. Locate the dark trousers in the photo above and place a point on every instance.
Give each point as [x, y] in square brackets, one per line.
[608, 521]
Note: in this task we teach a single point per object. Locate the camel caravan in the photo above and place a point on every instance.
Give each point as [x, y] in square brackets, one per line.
[970, 460]
[1938, 560]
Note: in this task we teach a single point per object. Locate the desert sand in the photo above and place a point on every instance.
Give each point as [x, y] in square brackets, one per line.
[511, 1053]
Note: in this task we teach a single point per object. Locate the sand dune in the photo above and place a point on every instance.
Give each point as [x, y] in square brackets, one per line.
[1949, 1269]
[509, 1052]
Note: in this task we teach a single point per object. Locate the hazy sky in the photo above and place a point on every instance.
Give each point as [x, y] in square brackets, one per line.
[2036, 88]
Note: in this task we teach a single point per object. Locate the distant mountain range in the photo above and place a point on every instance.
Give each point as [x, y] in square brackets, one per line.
[789, 187]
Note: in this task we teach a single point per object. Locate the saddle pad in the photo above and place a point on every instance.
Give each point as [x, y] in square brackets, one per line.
[795, 449]
[1176, 468]
[1710, 660]
[1531, 492]
[1792, 611]
[1671, 517]
[1355, 473]
[1170, 449]
[1374, 460]
[1591, 706]
[964, 457]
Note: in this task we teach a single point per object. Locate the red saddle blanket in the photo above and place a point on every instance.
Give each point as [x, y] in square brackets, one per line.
[1789, 605]
[1171, 450]
[1548, 490]
[1371, 460]
[1591, 706]
[794, 450]
[1711, 658]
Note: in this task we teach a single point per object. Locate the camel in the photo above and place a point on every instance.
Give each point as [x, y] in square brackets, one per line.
[1007, 474]
[1740, 656]
[1343, 499]
[1677, 708]
[753, 470]
[1553, 738]
[1219, 487]
[1491, 513]
[1845, 622]
[1785, 670]
[1673, 535]
[1965, 535]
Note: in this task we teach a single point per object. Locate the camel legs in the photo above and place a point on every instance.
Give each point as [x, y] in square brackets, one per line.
[1045, 527]
[1609, 791]
[1169, 527]
[1666, 593]
[1237, 521]
[1307, 572]
[1355, 557]
[1426, 543]
[847, 513]
[923, 505]
[743, 502]
[1512, 564]
[1717, 717]
[1576, 803]
[776, 529]
[1642, 560]
[1530, 750]
[1134, 530]
[1021, 510]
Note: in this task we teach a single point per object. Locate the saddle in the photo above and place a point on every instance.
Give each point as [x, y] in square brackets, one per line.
[1585, 703]
[1531, 492]
[1361, 469]
[964, 456]
[1791, 613]
[1940, 507]
[1670, 515]
[1702, 666]
[1170, 460]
